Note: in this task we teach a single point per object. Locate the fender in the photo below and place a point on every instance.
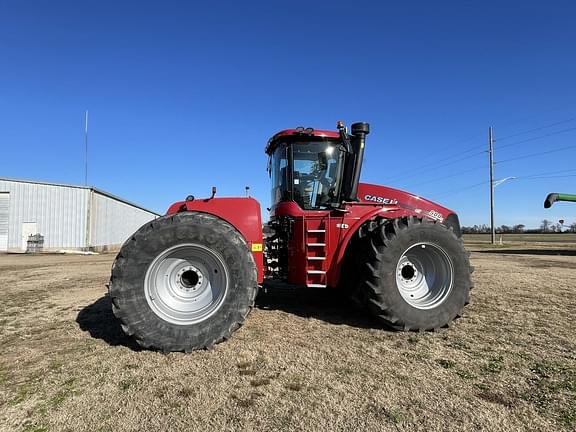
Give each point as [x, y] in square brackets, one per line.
[390, 204]
[416, 205]
[242, 213]
[389, 196]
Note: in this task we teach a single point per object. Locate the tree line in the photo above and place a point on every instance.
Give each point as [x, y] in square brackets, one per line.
[546, 226]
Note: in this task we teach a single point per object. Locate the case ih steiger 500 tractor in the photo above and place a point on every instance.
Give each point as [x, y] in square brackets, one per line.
[188, 279]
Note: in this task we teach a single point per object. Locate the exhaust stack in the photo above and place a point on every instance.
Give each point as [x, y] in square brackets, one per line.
[359, 132]
[354, 162]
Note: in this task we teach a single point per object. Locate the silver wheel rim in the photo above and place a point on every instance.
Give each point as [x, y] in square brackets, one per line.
[424, 275]
[186, 284]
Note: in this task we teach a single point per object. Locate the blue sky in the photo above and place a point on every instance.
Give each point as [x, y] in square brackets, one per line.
[184, 95]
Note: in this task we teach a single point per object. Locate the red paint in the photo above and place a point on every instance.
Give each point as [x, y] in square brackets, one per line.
[242, 213]
[316, 133]
[418, 205]
[340, 226]
[305, 135]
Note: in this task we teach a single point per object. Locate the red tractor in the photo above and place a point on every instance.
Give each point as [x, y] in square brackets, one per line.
[187, 280]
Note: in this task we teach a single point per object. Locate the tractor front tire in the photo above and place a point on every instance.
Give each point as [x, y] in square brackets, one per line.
[183, 282]
[415, 274]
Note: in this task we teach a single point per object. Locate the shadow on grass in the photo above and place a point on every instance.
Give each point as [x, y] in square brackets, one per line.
[98, 320]
[323, 304]
[546, 252]
[326, 305]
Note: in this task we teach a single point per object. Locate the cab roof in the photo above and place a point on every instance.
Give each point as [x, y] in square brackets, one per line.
[299, 132]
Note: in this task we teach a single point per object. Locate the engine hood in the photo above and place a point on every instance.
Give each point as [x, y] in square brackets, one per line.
[371, 193]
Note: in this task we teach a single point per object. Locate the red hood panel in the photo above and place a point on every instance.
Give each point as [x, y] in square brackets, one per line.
[389, 196]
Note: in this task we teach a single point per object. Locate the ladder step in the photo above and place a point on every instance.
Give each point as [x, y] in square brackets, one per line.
[316, 244]
[317, 258]
[316, 272]
[316, 285]
[316, 231]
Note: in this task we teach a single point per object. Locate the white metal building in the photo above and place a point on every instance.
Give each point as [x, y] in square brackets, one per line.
[67, 216]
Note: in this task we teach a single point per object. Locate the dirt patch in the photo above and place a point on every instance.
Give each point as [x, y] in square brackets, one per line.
[305, 360]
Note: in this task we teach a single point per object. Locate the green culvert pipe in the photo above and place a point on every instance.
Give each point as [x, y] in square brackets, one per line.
[553, 197]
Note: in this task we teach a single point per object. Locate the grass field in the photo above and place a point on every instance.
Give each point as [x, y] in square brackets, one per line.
[523, 238]
[303, 361]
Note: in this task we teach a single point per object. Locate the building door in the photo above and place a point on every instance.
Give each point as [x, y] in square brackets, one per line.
[4, 207]
[28, 229]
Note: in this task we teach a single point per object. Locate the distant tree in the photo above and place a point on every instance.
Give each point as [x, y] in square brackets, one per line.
[545, 225]
[573, 227]
[518, 228]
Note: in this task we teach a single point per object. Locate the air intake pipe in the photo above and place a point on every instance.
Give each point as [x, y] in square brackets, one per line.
[354, 163]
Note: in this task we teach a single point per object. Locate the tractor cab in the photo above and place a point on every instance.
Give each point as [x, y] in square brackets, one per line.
[315, 168]
[315, 176]
[307, 170]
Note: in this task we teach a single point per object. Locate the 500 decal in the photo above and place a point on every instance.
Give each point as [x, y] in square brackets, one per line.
[433, 214]
[380, 200]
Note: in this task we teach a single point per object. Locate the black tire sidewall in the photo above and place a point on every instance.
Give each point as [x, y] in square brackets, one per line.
[398, 308]
[153, 239]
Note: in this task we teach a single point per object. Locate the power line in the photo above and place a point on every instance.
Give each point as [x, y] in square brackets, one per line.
[457, 191]
[437, 179]
[531, 116]
[476, 147]
[537, 129]
[548, 173]
[536, 154]
[552, 176]
[435, 167]
[545, 174]
[436, 152]
[399, 177]
[537, 138]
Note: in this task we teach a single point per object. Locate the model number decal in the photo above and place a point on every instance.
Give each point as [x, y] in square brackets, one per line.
[433, 214]
[380, 200]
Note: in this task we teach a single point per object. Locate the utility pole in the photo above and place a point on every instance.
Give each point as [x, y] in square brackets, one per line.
[491, 152]
[86, 148]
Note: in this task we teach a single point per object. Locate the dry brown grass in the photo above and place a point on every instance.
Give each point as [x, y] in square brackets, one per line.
[303, 361]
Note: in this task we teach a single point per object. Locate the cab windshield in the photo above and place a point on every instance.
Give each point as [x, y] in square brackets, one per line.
[308, 173]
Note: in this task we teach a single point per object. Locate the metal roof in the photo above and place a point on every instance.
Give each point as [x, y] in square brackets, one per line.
[99, 191]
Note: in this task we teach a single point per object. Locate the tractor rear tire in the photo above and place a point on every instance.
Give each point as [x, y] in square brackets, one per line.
[183, 282]
[415, 274]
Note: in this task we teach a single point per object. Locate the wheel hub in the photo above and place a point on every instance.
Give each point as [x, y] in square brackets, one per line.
[424, 275]
[189, 278]
[186, 284]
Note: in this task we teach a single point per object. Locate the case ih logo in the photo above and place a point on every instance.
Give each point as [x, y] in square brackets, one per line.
[380, 200]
